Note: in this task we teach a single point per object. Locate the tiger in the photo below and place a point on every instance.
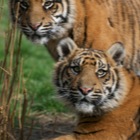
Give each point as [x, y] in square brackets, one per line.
[102, 92]
[89, 23]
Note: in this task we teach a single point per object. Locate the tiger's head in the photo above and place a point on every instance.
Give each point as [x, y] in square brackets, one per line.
[43, 20]
[92, 81]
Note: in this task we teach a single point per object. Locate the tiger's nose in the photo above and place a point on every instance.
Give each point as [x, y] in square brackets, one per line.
[85, 90]
[35, 26]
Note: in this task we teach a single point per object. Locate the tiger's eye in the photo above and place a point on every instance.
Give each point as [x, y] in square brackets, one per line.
[24, 5]
[101, 72]
[76, 69]
[48, 4]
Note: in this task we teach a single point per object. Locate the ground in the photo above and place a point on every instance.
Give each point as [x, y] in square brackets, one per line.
[50, 126]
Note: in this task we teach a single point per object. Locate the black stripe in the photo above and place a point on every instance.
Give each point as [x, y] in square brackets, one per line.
[85, 53]
[58, 74]
[99, 2]
[138, 56]
[110, 96]
[110, 22]
[131, 29]
[85, 25]
[68, 9]
[102, 1]
[118, 79]
[62, 74]
[136, 134]
[71, 35]
[137, 17]
[87, 133]
[88, 122]
[91, 44]
[132, 25]
[115, 12]
[64, 19]
[85, 32]
[124, 9]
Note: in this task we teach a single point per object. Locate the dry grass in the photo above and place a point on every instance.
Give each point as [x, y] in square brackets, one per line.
[13, 96]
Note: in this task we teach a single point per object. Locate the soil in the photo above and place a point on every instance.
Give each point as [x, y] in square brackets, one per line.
[49, 126]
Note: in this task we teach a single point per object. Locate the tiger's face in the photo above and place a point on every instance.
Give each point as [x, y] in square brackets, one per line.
[89, 80]
[43, 20]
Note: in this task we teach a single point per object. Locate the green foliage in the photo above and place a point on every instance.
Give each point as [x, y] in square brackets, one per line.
[37, 71]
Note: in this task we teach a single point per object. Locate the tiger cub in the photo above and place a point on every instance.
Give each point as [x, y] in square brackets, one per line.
[89, 23]
[105, 95]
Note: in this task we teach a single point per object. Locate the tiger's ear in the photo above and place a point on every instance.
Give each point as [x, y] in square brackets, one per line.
[117, 52]
[65, 47]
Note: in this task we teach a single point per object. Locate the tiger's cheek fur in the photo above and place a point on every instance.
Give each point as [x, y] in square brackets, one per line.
[67, 79]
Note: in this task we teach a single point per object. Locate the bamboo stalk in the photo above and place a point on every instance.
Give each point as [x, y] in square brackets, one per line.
[12, 85]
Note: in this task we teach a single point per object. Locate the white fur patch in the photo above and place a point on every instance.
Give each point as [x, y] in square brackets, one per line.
[85, 108]
[42, 41]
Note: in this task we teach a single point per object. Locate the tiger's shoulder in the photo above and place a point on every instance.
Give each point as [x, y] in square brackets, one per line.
[104, 94]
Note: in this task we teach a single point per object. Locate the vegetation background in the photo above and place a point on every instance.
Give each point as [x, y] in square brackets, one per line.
[29, 107]
[37, 70]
